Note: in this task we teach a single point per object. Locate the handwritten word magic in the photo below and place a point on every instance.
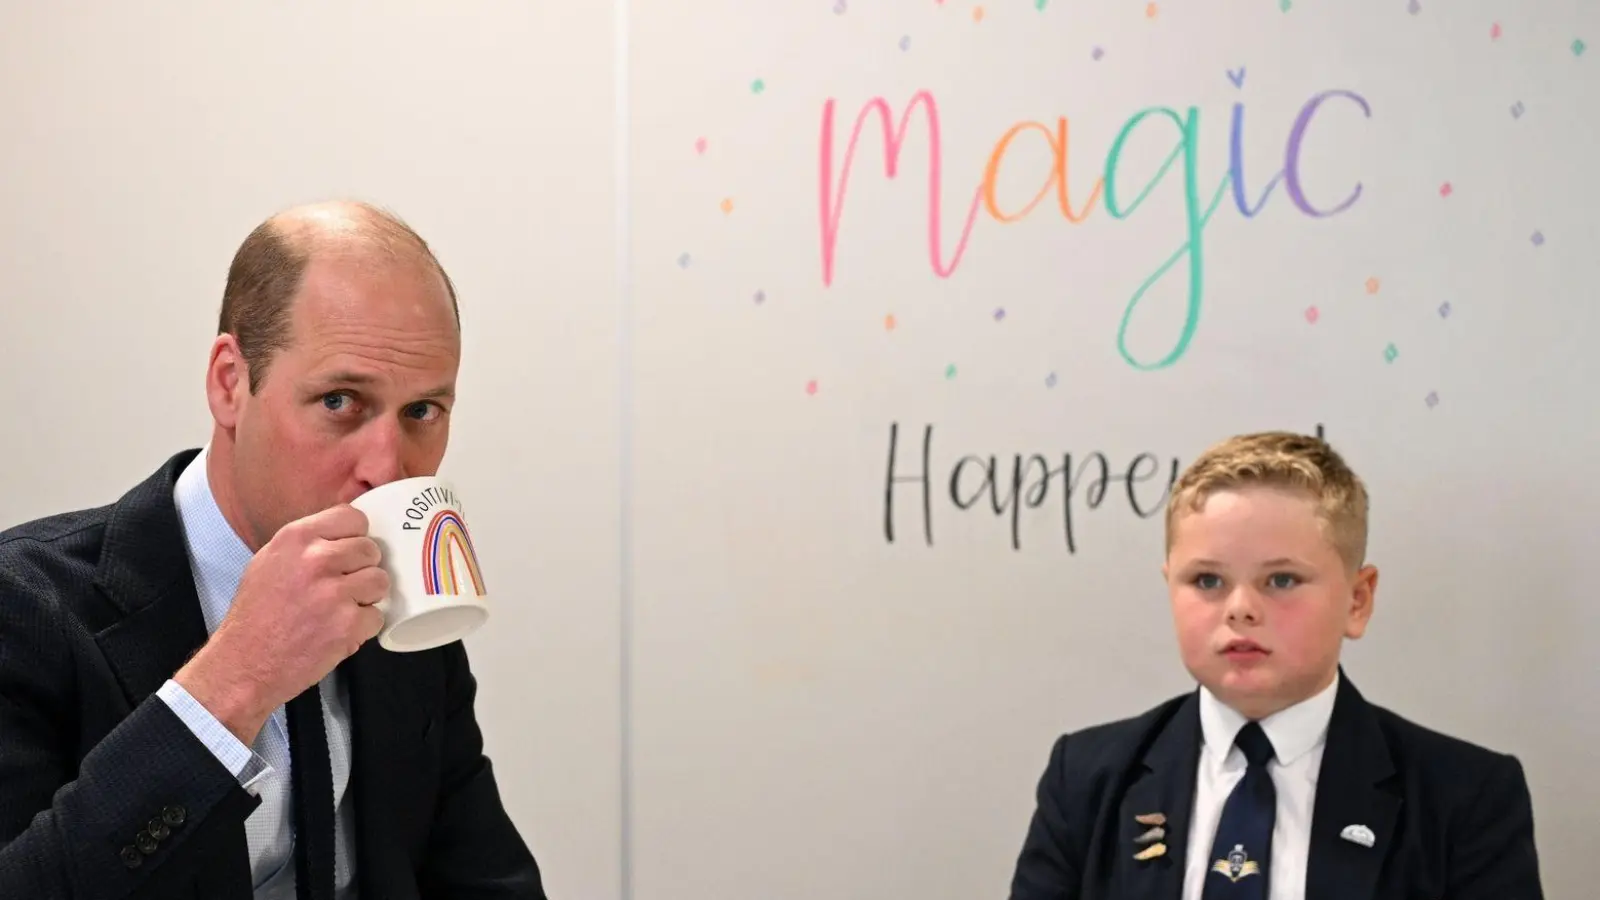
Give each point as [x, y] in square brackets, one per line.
[1106, 190]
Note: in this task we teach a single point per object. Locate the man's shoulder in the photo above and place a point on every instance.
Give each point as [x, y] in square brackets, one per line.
[47, 549]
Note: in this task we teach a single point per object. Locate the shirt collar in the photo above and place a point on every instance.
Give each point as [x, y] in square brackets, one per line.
[1293, 731]
[217, 555]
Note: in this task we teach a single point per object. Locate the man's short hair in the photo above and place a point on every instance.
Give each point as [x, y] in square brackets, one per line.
[268, 267]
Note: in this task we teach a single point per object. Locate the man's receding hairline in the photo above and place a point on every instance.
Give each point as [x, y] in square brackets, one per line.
[340, 227]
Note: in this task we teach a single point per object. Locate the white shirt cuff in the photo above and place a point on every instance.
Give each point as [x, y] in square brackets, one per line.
[245, 764]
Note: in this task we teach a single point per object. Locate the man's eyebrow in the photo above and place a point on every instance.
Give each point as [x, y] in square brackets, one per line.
[344, 378]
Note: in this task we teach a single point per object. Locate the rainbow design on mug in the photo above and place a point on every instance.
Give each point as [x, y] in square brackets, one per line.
[440, 572]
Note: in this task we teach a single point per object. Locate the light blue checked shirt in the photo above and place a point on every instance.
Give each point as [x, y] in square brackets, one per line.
[218, 558]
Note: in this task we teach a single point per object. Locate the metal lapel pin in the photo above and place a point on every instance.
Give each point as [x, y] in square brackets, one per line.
[1358, 834]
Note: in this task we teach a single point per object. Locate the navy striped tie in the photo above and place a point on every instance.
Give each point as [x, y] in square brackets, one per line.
[1243, 847]
[312, 785]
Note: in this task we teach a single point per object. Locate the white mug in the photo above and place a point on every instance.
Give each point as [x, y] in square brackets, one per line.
[436, 588]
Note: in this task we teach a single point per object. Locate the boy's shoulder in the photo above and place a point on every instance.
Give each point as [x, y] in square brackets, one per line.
[1414, 745]
[1110, 745]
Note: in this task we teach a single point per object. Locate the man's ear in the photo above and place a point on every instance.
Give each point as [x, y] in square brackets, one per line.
[1363, 595]
[227, 381]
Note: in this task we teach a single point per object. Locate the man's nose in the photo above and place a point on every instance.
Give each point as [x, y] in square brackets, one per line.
[382, 457]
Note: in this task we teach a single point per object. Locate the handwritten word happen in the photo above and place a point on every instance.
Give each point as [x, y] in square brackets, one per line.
[1106, 191]
[1009, 486]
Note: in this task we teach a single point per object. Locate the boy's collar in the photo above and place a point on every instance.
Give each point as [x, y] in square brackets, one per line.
[1293, 731]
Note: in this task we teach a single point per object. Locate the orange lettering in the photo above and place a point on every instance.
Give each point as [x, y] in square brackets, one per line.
[1058, 174]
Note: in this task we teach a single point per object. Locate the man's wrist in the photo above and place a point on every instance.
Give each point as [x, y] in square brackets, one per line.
[231, 700]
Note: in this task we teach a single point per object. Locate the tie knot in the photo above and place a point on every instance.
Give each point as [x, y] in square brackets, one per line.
[1255, 744]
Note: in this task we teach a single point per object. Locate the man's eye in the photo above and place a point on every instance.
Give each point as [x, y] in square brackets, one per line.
[335, 402]
[424, 411]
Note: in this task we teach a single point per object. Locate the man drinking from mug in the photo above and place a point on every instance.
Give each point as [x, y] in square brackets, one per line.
[191, 704]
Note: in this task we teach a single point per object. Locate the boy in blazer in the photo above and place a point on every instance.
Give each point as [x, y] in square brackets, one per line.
[1275, 779]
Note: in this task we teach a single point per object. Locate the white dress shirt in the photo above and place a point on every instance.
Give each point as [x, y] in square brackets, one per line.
[218, 558]
[1298, 735]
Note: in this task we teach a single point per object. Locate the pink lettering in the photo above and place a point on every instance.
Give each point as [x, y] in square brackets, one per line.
[833, 201]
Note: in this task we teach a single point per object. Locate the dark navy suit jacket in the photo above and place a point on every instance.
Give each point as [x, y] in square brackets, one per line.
[105, 793]
[1450, 819]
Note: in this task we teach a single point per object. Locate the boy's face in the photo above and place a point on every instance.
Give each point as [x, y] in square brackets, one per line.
[1261, 599]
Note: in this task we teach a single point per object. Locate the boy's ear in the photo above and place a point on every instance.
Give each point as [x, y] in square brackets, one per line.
[1362, 596]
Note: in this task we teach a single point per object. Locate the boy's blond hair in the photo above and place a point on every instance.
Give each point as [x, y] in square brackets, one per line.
[1285, 460]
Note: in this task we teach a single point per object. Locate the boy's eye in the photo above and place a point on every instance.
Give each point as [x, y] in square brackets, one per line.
[1283, 581]
[1206, 581]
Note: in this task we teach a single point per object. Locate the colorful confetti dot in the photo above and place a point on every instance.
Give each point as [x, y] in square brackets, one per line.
[1040, 4]
[1445, 189]
[727, 204]
[757, 86]
[700, 145]
[977, 14]
[1414, 7]
[1150, 10]
[683, 261]
[905, 42]
[1432, 399]
[1285, 5]
[761, 296]
[1050, 380]
[1097, 53]
[1312, 315]
[1372, 285]
[1444, 310]
[1494, 32]
[1538, 239]
[839, 7]
[1517, 109]
[811, 386]
[950, 371]
[1390, 352]
[1236, 76]
[999, 314]
[888, 322]
[1578, 46]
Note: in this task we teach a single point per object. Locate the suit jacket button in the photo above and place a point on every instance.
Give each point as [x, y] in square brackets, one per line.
[131, 857]
[145, 843]
[173, 815]
[158, 829]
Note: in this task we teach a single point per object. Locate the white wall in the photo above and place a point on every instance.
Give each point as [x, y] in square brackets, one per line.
[812, 710]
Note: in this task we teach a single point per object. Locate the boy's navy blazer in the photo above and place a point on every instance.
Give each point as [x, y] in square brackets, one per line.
[1450, 819]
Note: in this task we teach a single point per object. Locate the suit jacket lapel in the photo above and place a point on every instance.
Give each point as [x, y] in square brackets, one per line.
[1164, 783]
[389, 724]
[1351, 791]
[144, 572]
[156, 624]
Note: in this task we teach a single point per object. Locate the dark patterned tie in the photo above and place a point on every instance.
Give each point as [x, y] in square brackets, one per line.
[1243, 847]
[313, 797]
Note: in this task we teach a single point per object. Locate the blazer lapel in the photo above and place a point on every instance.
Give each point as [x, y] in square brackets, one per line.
[1163, 786]
[389, 723]
[1351, 792]
[144, 572]
[156, 624]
